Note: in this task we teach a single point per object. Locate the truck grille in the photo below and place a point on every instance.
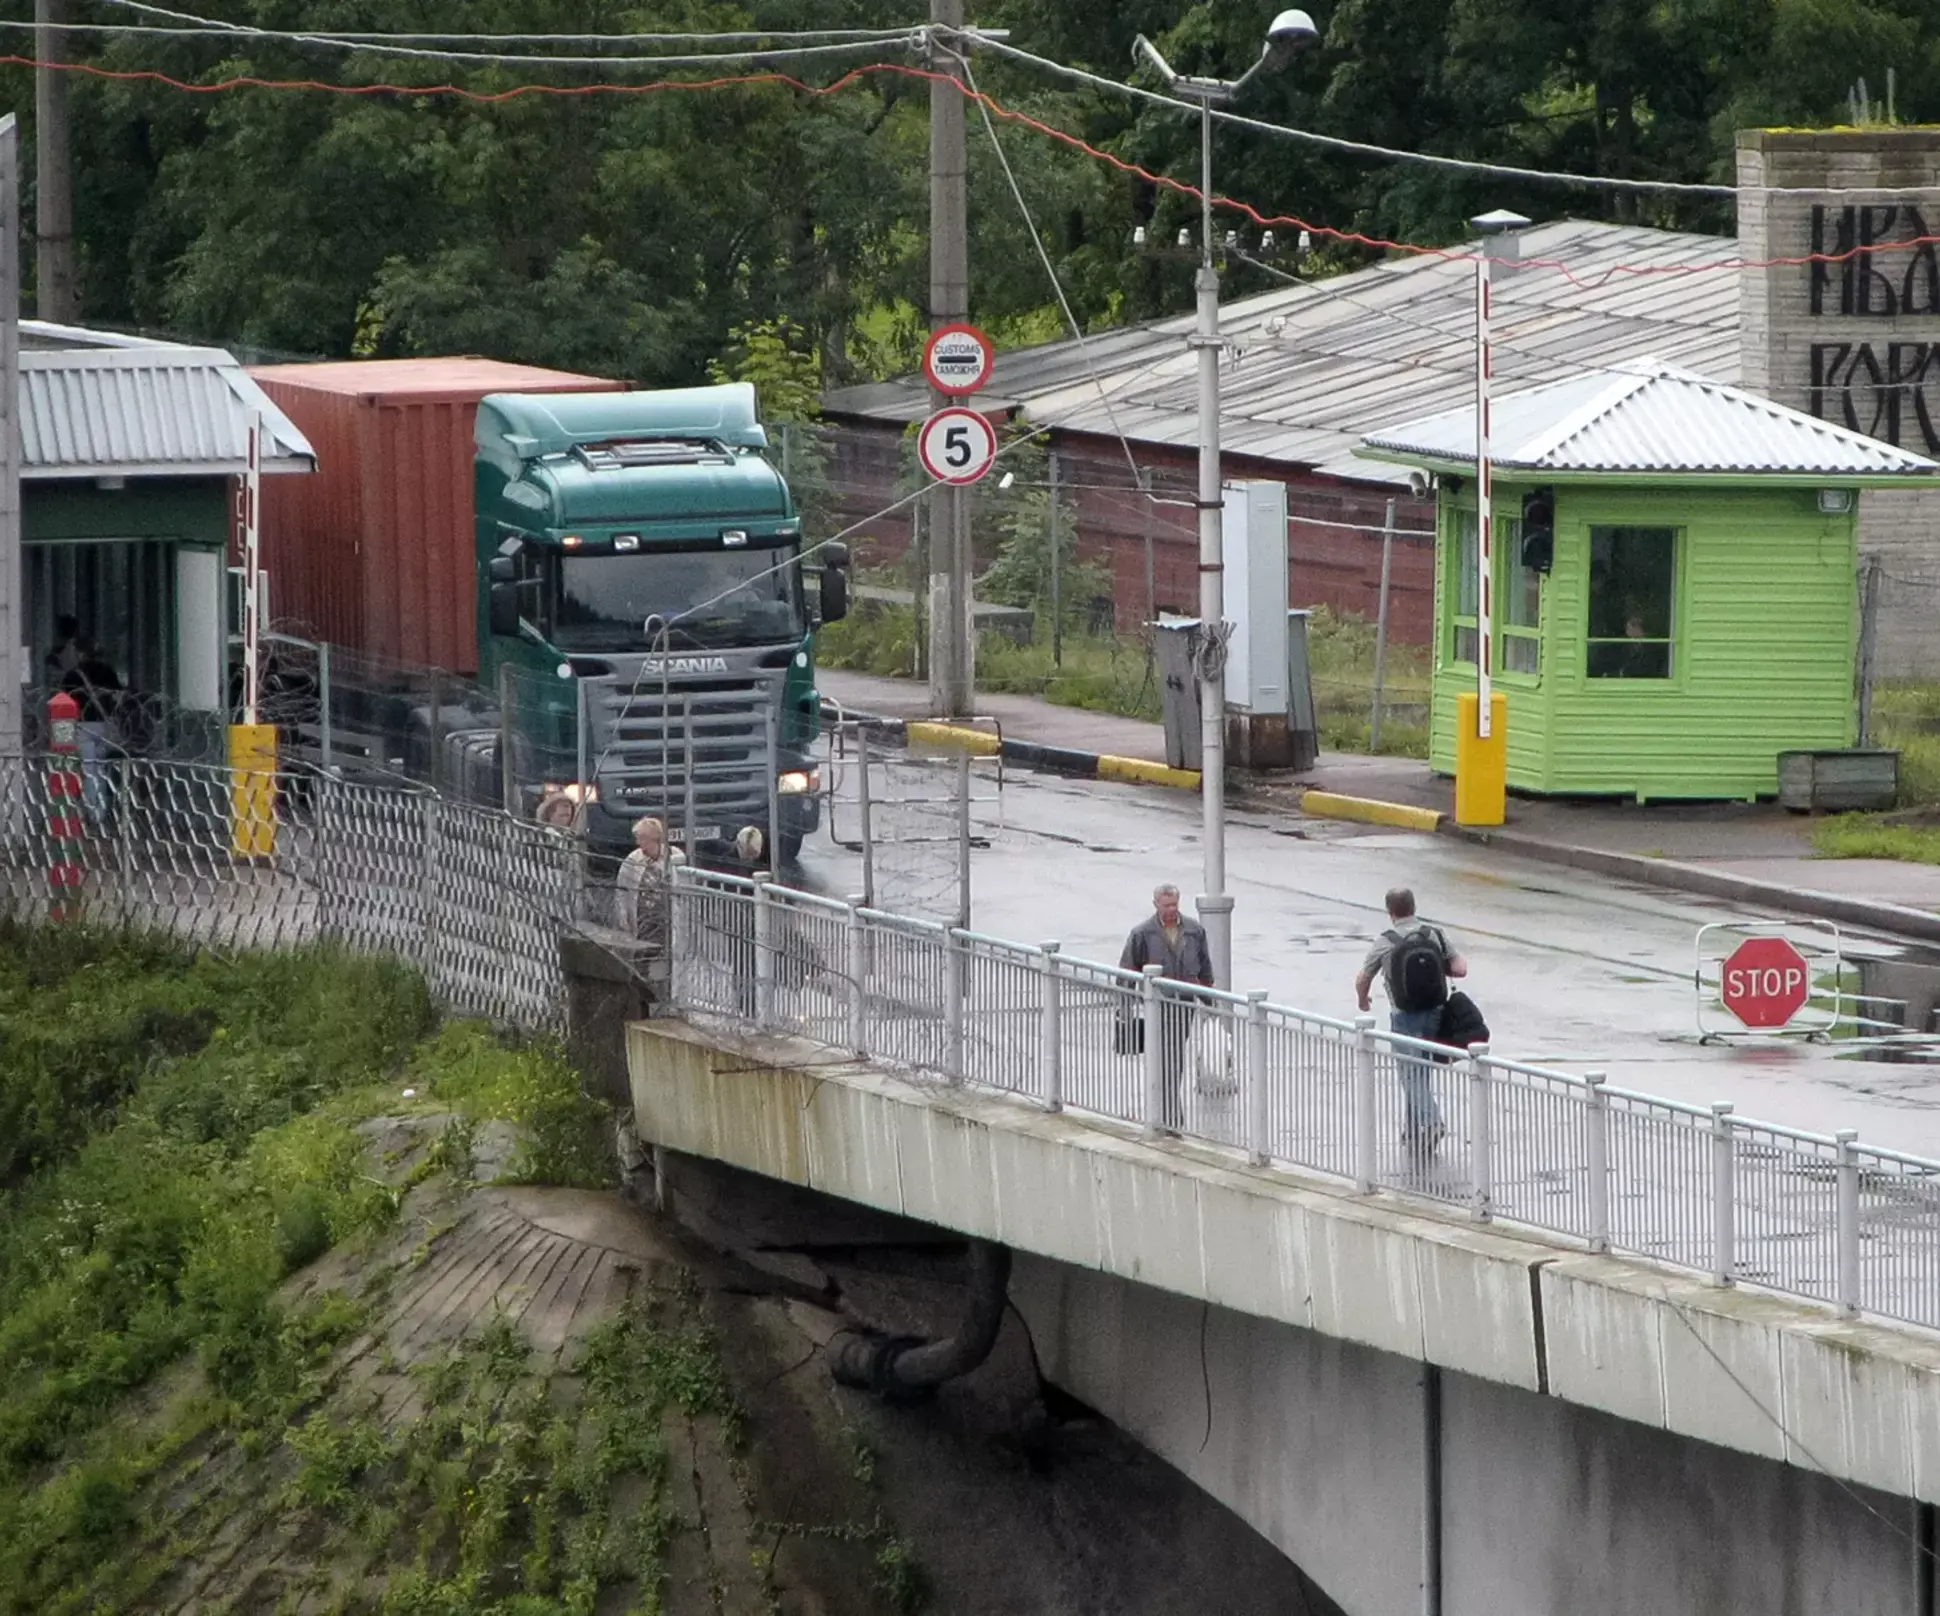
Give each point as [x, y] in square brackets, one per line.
[713, 729]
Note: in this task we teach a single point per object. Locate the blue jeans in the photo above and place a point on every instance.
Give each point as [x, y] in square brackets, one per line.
[1417, 1089]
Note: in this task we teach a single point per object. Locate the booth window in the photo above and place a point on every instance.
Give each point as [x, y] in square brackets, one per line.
[1522, 603]
[1633, 579]
[1462, 614]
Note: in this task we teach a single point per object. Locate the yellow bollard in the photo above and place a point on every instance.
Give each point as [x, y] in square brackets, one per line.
[1481, 767]
[252, 790]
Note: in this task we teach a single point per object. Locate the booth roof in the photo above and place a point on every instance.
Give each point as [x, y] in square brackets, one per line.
[1648, 417]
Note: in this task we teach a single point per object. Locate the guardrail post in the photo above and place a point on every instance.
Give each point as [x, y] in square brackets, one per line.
[1153, 1011]
[1724, 1209]
[1260, 1112]
[953, 1004]
[1481, 1141]
[764, 952]
[1846, 1222]
[428, 890]
[680, 926]
[1597, 1123]
[858, 979]
[1050, 1054]
[1367, 1149]
[324, 735]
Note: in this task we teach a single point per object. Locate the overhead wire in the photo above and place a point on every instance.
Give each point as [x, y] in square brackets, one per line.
[1051, 273]
[222, 25]
[1361, 148]
[866, 71]
[369, 46]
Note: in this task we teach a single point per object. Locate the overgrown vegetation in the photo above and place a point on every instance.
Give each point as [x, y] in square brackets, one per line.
[1113, 674]
[181, 1134]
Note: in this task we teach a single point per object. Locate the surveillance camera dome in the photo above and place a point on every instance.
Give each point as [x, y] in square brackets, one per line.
[1290, 30]
[1419, 483]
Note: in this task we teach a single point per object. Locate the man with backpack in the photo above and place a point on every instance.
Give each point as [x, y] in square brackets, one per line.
[1414, 961]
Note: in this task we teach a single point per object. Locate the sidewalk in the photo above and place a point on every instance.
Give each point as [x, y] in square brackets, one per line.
[1754, 853]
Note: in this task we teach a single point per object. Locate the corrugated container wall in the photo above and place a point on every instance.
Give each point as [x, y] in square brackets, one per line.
[376, 551]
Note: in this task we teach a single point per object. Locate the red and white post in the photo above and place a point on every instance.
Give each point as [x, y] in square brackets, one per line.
[1481, 739]
[64, 825]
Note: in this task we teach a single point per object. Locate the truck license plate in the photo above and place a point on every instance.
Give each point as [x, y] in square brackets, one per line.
[702, 833]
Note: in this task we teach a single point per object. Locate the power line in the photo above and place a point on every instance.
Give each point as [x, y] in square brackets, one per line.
[367, 45]
[1359, 148]
[860, 74]
[1050, 270]
[748, 36]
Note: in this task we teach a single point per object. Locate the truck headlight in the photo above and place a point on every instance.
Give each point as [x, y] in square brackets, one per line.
[799, 782]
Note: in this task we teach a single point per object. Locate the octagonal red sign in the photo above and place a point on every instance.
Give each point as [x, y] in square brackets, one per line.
[1765, 982]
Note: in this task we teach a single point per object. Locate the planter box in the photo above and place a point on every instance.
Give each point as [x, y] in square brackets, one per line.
[1838, 782]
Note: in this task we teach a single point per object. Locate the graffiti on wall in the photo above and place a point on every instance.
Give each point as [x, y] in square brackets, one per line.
[1888, 388]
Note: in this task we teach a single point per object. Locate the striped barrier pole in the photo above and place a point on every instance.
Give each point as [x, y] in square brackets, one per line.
[64, 810]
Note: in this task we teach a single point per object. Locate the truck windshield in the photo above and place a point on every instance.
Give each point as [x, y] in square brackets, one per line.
[711, 597]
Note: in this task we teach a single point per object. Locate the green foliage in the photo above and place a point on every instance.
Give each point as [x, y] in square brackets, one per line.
[467, 1068]
[1869, 836]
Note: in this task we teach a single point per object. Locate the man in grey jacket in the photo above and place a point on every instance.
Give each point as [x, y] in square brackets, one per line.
[1178, 946]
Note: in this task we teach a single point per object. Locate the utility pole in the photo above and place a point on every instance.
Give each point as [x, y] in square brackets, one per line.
[56, 296]
[13, 656]
[952, 645]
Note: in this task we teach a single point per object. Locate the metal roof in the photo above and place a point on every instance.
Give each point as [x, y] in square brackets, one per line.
[1320, 365]
[145, 409]
[1647, 416]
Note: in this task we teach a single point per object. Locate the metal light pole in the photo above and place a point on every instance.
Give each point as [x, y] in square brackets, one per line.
[1290, 32]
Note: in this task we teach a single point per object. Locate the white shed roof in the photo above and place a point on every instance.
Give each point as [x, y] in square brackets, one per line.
[95, 406]
[1649, 416]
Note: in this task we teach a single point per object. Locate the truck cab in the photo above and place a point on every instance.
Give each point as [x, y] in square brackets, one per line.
[643, 613]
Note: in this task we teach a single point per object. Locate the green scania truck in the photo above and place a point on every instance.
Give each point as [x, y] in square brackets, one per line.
[643, 613]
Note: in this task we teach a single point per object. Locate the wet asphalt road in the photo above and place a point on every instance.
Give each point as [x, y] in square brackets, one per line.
[1571, 969]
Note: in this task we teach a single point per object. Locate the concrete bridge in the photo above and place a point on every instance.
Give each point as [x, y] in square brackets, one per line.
[1601, 1353]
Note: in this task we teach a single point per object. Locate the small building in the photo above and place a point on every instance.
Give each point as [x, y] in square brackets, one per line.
[1695, 613]
[130, 449]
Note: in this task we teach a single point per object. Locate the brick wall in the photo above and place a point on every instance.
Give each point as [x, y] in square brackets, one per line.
[1855, 343]
[1334, 542]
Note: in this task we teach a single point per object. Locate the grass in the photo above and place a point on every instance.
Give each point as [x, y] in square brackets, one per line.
[1868, 836]
[1108, 674]
[178, 1134]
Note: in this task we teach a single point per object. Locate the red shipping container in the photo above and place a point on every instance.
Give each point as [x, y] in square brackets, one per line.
[376, 551]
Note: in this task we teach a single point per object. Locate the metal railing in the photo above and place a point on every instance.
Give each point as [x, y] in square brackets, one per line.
[475, 899]
[1824, 1218]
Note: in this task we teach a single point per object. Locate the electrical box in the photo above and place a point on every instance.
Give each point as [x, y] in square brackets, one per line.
[1254, 518]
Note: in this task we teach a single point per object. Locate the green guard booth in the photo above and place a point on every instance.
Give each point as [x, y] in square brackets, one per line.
[1675, 595]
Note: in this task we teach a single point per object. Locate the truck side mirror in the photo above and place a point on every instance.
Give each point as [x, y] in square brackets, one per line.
[503, 608]
[835, 593]
[501, 570]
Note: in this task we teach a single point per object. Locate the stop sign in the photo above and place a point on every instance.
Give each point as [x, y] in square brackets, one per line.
[1765, 982]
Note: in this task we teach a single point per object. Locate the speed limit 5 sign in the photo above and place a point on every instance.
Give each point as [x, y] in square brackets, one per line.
[956, 446]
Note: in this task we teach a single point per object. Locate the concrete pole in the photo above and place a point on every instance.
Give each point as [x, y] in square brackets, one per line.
[56, 293]
[1381, 631]
[1215, 905]
[13, 654]
[952, 646]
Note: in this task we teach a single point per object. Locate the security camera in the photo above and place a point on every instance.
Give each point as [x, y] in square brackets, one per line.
[1420, 484]
[1291, 31]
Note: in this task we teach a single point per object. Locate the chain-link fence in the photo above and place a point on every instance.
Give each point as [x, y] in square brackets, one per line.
[1899, 673]
[474, 898]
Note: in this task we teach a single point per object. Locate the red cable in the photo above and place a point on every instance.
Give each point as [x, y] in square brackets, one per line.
[856, 75]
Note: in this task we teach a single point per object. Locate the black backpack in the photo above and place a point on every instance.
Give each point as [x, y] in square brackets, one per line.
[1418, 973]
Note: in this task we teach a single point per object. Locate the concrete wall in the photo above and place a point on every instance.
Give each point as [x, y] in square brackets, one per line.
[1545, 1508]
[1856, 343]
[1607, 1426]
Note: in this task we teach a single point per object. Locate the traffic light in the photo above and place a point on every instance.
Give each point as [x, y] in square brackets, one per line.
[1539, 529]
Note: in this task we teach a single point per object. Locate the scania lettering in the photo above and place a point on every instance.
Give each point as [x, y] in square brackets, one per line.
[642, 612]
